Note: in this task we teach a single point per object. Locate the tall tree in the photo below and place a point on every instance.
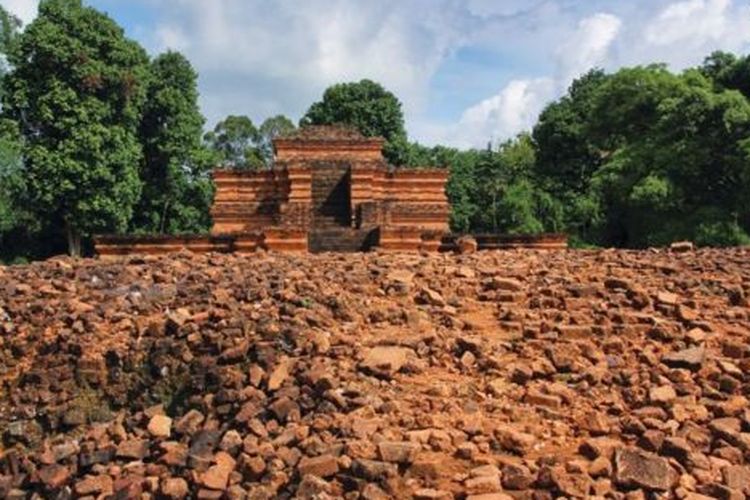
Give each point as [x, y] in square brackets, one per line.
[728, 72]
[511, 201]
[369, 107]
[10, 154]
[77, 89]
[177, 187]
[462, 182]
[566, 155]
[9, 29]
[269, 130]
[10, 171]
[681, 168]
[235, 140]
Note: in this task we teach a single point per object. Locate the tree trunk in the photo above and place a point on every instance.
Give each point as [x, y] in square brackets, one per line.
[74, 240]
[163, 220]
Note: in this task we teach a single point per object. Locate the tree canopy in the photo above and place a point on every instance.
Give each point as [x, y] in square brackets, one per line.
[367, 106]
[238, 143]
[269, 130]
[175, 170]
[77, 90]
[641, 157]
[96, 136]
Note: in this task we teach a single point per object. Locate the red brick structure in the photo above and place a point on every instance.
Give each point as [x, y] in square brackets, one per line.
[330, 190]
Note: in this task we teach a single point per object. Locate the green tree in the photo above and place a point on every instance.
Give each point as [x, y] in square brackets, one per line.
[461, 188]
[10, 147]
[77, 89]
[177, 188]
[10, 26]
[369, 107]
[728, 72]
[269, 130]
[10, 172]
[235, 140]
[681, 169]
[511, 201]
[566, 155]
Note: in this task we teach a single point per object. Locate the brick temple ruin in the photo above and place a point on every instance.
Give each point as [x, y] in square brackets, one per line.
[330, 189]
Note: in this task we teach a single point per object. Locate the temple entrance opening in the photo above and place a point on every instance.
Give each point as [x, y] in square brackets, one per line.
[331, 195]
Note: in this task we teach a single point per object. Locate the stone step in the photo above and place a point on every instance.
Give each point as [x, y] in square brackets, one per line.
[340, 239]
[330, 192]
[332, 203]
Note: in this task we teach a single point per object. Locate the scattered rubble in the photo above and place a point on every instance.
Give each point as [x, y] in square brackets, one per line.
[482, 375]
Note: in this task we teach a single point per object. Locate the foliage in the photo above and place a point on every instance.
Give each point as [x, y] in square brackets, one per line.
[175, 170]
[94, 137]
[234, 140]
[660, 156]
[10, 181]
[237, 143]
[513, 203]
[9, 29]
[77, 89]
[728, 72]
[369, 107]
[462, 185]
[492, 190]
[269, 130]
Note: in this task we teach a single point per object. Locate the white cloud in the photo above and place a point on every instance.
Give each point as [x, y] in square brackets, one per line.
[518, 104]
[690, 21]
[25, 10]
[679, 33]
[588, 46]
[515, 108]
[301, 48]
[261, 58]
[684, 32]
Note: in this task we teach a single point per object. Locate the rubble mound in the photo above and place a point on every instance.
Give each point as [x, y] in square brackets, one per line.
[489, 375]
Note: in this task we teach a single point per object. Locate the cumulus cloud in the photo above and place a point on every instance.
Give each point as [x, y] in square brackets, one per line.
[678, 33]
[686, 31]
[517, 105]
[302, 47]
[467, 71]
[693, 21]
[25, 10]
[515, 108]
[588, 46]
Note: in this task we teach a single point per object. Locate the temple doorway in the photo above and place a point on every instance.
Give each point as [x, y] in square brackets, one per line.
[331, 195]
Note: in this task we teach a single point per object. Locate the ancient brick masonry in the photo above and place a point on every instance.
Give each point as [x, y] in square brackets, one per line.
[331, 189]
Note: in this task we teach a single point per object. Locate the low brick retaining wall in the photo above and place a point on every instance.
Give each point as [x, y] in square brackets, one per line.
[404, 239]
[550, 241]
[117, 245]
[547, 241]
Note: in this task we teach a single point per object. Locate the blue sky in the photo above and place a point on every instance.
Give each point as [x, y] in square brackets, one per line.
[467, 71]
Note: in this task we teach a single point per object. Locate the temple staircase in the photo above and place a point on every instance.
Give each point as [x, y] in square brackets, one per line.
[341, 239]
[332, 229]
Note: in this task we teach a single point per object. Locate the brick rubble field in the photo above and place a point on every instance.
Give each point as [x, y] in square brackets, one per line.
[495, 375]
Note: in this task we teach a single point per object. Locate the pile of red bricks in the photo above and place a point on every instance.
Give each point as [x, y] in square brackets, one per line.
[494, 375]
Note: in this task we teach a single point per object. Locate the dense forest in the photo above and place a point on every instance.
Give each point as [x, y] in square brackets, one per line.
[96, 136]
